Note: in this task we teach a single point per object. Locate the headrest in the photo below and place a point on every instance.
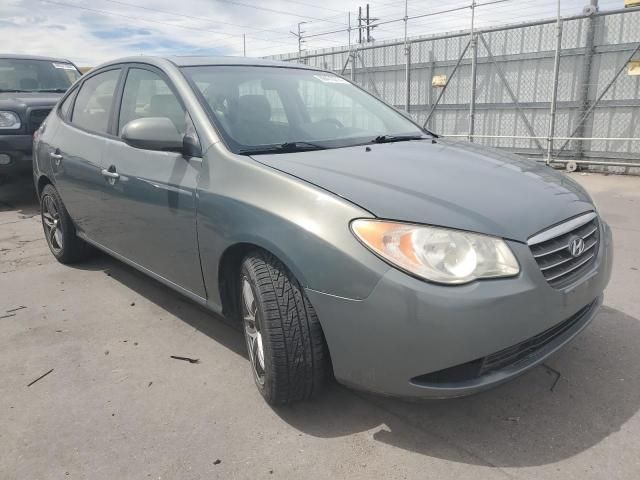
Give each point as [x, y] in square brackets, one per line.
[105, 101]
[254, 108]
[165, 105]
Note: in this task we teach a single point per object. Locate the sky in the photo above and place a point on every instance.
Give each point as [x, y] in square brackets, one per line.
[89, 32]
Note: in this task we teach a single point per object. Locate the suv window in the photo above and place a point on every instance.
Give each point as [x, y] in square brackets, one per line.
[26, 75]
[93, 104]
[146, 94]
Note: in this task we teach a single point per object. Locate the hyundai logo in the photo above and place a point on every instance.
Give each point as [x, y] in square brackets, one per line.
[576, 246]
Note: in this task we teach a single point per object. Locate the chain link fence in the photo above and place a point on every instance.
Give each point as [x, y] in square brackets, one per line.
[592, 97]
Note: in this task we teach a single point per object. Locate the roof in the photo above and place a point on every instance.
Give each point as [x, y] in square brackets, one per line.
[183, 61]
[33, 57]
[196, 61]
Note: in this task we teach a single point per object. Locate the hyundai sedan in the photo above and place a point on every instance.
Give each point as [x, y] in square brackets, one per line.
[348, 241]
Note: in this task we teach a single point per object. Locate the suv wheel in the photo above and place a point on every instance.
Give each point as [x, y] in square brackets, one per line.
[287, 350]
[59, 229]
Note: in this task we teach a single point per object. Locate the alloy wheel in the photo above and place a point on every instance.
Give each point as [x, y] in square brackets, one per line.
[51, 222]
[252, 331]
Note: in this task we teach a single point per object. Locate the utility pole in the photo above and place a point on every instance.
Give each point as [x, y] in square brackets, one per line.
[300, 40]
[351, 56]
[368, 29]
[244, 45]
[369, 21]
[359, 24]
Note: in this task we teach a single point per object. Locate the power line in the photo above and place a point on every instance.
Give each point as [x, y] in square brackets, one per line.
[104, 12]
[272, 10]
[368, 25]
[193, 17]
[313, 6]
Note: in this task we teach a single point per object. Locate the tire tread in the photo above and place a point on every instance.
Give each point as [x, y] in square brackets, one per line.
[299, 356]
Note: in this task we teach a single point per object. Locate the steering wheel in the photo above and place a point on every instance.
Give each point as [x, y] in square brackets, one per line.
[332, 121]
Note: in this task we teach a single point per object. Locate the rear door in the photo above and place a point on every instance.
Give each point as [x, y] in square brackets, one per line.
[77, 149]
[154, 194]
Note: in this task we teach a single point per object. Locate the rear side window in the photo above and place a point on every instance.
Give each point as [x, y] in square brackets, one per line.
[94, 102]
[146, 94]
[65, 108]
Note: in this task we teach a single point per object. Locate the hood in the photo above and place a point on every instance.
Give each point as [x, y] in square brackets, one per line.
[23, 100]
[452, 184]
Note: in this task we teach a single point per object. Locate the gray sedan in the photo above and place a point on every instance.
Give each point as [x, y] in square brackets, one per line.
[347, 240]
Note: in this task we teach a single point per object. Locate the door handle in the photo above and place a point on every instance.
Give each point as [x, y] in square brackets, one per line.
[56, 157]
[108, 174]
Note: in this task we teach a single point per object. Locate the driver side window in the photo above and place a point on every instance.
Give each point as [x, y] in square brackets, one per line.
[146, 94]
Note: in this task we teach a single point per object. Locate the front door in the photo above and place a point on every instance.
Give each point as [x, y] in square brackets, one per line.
[153, 194]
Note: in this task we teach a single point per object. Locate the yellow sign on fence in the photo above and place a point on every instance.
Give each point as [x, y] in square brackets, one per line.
[440, 80]
[634, 67]
[631, 3]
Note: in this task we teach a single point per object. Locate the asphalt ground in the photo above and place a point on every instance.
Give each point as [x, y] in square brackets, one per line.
[115, 405]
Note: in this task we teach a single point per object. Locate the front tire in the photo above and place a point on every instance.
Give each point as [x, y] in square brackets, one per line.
[59, 230]
[287, 349]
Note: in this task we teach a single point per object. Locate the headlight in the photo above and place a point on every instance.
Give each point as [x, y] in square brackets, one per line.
[9, 120]
[440, 255]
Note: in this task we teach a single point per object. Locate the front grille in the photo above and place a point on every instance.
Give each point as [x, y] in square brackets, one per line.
[508, 357]
[552, 249]
[36, 117]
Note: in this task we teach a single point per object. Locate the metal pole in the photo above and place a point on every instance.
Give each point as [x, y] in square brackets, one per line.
[554, 92]
[244, 45]
[407, 54]
[349, 30]
[300, 41]
[368, 31]
[453, 72]
[359, 24]
[350, 54]
[586, 74]
[474, 67]
[507, 87]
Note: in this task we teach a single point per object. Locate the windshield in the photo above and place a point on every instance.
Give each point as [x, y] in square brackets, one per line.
[24, 75]
[260, 107]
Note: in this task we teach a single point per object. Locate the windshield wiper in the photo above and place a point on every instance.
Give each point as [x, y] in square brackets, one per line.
[286, 147]
[396, 138]
[51, 90]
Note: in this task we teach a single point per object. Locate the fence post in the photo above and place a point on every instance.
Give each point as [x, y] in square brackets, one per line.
[586, 75]
[474, 66]
[432, 67]
[407, 55]
[554, 92]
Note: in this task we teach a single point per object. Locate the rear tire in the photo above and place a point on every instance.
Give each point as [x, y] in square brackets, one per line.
[287, 349]
[59, 230]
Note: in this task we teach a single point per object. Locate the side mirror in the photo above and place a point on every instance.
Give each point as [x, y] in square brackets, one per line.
[191, 146]
[153, 133]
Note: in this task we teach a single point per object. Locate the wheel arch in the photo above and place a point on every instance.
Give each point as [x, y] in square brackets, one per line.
[42, 181]
[229, 267]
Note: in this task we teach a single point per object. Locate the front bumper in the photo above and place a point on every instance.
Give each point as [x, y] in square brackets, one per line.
[18, 149]
[406, 328]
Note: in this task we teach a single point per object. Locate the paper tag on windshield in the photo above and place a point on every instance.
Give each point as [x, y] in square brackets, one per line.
[64, 66]
[330, 79]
